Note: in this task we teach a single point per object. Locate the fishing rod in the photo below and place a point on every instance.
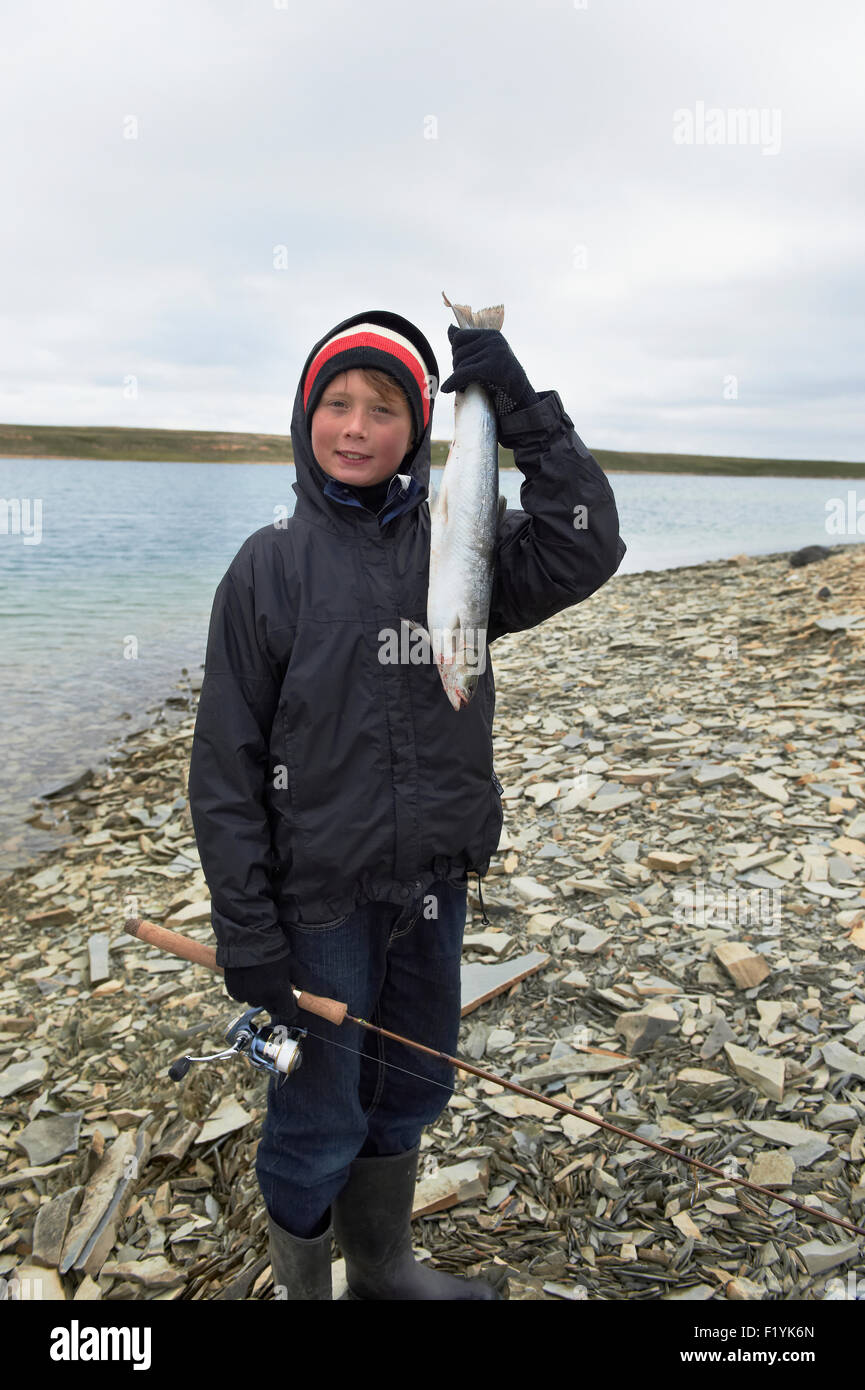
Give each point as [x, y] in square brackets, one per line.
[276, 1048]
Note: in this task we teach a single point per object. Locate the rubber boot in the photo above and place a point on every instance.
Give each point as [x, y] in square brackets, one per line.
[301, 1267]
[372, 1226]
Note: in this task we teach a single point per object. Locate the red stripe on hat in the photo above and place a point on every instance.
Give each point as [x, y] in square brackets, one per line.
[373, 340]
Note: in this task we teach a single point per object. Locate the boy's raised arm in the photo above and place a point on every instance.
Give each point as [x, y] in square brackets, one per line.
[228, 770]
[565, 543]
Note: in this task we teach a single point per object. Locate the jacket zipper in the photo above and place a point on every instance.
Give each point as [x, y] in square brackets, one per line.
[500, 789]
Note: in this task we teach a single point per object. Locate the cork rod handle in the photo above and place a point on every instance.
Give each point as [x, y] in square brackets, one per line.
[172, 941]
[200, 954]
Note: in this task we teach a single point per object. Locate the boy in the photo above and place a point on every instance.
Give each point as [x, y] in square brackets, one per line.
[339, 802]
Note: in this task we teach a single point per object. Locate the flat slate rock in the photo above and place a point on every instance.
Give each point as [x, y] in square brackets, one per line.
[642, 1028]
[51, 1136]
[227, 1117]
[20, 1075]
[482, 982]
[720, 1033]
[458, 1182]
[781, 1132]
[772, 1168]
[766, 1073]
[580, 1064]
[591, 941]
[837, 1117]
[804, 1155]
[840, 1058]
[745, 967]
[155, 1272]
[819, 1255]
[101, 1206]
[97, 950]
[51, 1225]
[530, 889]
[488, 941]
[39, 1285]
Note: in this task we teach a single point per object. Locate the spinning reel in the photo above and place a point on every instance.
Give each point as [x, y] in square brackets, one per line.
[270, 1046]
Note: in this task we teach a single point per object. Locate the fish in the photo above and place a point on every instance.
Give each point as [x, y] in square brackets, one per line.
[464, 518]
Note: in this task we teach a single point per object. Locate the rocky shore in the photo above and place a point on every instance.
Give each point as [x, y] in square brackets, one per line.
[683, 763]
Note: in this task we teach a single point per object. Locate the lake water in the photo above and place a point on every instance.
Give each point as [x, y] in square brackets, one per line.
[98, 619]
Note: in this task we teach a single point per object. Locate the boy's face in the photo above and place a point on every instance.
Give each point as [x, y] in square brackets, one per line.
[352, 419]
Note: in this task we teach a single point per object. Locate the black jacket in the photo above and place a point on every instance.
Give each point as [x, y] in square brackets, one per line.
[321, 778]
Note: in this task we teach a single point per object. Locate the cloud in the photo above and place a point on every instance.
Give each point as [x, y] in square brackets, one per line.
[500, 151]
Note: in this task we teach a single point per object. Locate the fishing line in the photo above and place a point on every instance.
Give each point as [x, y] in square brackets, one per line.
[381, 1062]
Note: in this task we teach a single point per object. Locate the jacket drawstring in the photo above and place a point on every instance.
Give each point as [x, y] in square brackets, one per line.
[485, 919]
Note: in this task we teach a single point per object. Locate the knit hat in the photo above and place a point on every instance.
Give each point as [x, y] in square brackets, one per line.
[371, 340]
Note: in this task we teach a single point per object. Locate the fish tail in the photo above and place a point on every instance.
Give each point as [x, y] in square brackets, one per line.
[492, 317]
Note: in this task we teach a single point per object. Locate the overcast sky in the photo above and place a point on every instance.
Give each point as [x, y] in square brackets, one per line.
[195, 192]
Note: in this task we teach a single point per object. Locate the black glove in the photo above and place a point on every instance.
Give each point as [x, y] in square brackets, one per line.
[483, 355]
[264, 986]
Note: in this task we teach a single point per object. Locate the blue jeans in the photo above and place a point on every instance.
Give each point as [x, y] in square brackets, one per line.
[397, 967]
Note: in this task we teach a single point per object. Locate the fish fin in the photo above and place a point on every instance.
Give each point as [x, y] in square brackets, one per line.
[441, 503]
[493, 317]
[417, 627]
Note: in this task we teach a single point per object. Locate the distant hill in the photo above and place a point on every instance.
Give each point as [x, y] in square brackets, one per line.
[215, 446]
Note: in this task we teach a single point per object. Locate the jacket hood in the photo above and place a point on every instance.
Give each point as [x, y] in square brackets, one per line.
[311, 477]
